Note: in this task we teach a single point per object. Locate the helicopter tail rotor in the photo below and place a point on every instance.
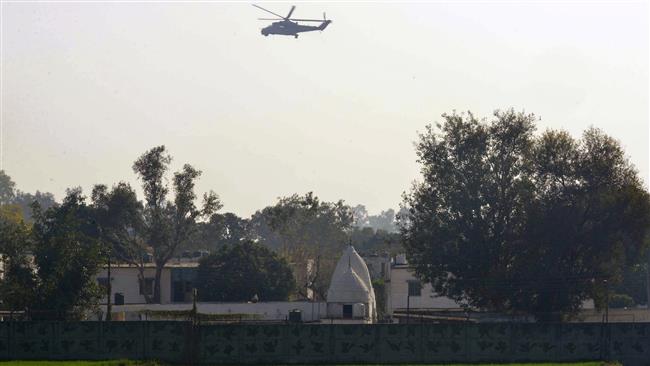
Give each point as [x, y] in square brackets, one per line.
[324, 24]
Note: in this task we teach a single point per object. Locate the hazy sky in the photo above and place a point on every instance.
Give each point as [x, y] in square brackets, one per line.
[88, 87]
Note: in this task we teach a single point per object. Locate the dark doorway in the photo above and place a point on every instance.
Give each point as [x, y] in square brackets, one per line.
[347, 311]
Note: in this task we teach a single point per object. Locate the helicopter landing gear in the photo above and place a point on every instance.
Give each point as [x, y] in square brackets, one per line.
[295, 36]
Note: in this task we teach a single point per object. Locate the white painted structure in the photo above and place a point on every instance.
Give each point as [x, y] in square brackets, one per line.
[125, 282]
[351, 295]
[420, 296]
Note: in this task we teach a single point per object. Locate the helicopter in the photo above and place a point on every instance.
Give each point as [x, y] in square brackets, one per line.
[288, 26]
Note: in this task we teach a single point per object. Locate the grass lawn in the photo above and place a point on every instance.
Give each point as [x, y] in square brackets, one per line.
[151, 363]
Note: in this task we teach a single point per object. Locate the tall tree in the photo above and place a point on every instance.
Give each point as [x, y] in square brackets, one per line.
[220, 230]
[25, 200]
[310, 233]
[67, 258]
[7, 186]
[120, 218]
[508, 221]
[169, 223]
[360, 216]
[17, 281]
[240, 271]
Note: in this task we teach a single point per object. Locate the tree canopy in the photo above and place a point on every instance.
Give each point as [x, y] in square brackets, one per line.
[510, 221]
[7, 185]
[240, 271]
[50, 267]
[309, 232]
[9, 195]
[162, 224]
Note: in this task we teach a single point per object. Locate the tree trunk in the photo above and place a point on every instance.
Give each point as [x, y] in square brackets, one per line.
[108, 292]
[647, 281]
[147, 298]
[156, 284]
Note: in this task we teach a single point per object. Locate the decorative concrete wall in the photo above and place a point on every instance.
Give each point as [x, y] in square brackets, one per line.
[378, 343]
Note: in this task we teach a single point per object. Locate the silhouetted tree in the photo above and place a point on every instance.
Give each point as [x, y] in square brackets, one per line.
[168, 224]
[240, 271]
[7, 186]
[66, 258]
[220, 230]
[310, 233]
[508, 221]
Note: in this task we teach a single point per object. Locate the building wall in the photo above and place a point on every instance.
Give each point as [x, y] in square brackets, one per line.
[400, 276]
[275, 310]
[125, 281]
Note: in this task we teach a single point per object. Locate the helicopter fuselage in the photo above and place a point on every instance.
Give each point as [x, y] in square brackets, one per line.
[289, 28]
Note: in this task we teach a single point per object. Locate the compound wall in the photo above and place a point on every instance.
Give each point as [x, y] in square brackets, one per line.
[181, 342]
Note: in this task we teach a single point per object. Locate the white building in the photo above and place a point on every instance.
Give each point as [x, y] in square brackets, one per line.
[351, 297]
[176, 283]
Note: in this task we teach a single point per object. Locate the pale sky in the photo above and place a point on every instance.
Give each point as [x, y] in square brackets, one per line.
[88, 87]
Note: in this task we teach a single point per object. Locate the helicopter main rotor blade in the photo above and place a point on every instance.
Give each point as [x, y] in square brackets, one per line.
[268, 11]
[306, 20]
[272, 19]
[293, 7]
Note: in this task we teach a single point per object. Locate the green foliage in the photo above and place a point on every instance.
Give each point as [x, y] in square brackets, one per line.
[66, 257]
[380, 296]
[369, 240]
[25, 201]
[220, 230]
[120, 218]
[243, 270]
[508, 221]
[57, 279]
[310, 233]
[11, 196]
[634, 283]
[619, 301]
[169, 224]
[6, 188]
[17, 283]
[384, 221]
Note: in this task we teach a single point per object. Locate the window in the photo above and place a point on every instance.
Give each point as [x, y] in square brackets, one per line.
[147, 289]
[415, 288]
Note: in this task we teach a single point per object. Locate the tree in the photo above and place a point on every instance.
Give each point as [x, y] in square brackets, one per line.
[310, 233]
[384, 221]
[25, 200]
[17, 281]
[360, 216]
[120, 219]
[9, 195]
[168, 224]
[240, 271]
[507, 221]
[633, 283]
[6, 188]
[368, 240]
[66, 258]
[220, 230]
